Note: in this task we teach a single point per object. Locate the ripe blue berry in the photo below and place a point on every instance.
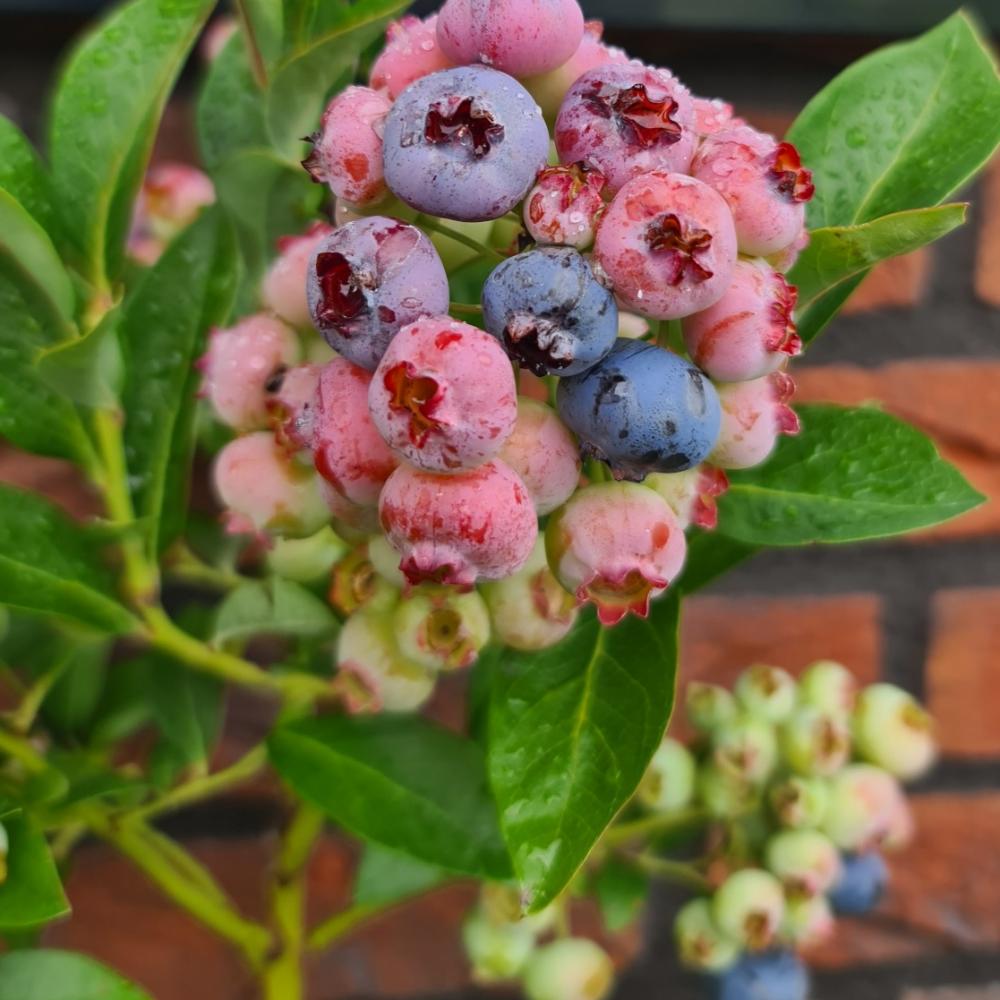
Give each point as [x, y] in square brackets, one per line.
[550, 312]
[774, 975]
[641, 410]
[464, 144]
[861, 884]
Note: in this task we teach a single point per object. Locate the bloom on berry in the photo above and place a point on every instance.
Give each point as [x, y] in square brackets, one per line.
[747, 748]
[668, 784]
[750, 331]
[692, 494]
[799, 802]
[520, 37]
[828, 686]
[550, 312]
[411, 52]
[569, 969]
[754, 414]
[892, 730]
[476, 524]
[764, 183]
[240, 365]
[711, 115]
[641, 409]
[700, 943]
[441, 629]
[749, 907]
[627, 119]
[530, 609]
[709, 706]
[283, 289]
[464, 143]
[369, 279]
[616, 545]
[347, 150]
[815, 742]
[667, 245]
[444, 396]
[806, 861]
[861, 885]
[564, 206]
[766, 692]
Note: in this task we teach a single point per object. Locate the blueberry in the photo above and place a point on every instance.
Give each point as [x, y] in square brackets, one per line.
[641, 410]
[550, 312]
[464, 144]
[861, 885]
[773, 975]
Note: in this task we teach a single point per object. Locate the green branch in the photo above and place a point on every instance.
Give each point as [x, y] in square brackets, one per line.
[654, 824]
[340, 924]
[453, 234]
[678, 872]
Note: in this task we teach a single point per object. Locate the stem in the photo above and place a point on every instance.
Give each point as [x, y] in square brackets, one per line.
[183, 565]
[481, 248]
[679, 872]
[253, 47]
[20, 749]
[465, 310]
[653, 824]
[341, 924]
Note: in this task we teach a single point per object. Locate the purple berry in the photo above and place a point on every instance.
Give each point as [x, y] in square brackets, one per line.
[861, 885]
[774, 975]
[464, 144]
[550, 312]
[370, 278]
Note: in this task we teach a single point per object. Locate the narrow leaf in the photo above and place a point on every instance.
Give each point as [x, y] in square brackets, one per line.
[25, 178]
[385, 876]
[187, 708]
[31, 894]
[86, 369]
[61, 975]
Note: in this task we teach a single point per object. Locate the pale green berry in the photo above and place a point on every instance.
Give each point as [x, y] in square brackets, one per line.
[892, 730]
[385, 559]
[700, 944]
[496, 951]
[709, 706]
[569, 969]
[799, 802]
[668, 784]
[723, 794]
[441, 628]
[866, 807]
[355, 584]
[746, 747]
[806, 861]
[767, 692]
[809, 921]
[814, 742]
[306, 560]
[828, 686]
[749, 908]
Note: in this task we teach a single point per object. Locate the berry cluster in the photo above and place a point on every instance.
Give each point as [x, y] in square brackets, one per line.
[643, 326]
[801, 781]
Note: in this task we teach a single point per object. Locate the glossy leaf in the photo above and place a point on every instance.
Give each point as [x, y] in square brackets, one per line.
[187, 708]
[266, 23]
[386, 876]
[902, 128]
[277, 607]
[851, 474]
[87, 369]
[162, 333]
[61, 975]
[571, 731]
[621, 892]
[31, 894]
[70, 705]
[838, 253]
[105, 115]
[398, 781]
[25, 178]
[50, 564]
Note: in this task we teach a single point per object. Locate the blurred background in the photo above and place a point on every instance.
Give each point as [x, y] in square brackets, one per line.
[922, 336]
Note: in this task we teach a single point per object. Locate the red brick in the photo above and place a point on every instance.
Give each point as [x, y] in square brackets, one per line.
[60, 481]
[722, 635]
[942, 896]
[987, 276]
[962, 690]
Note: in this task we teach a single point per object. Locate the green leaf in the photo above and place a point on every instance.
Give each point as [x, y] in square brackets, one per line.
[86, 369]
[187, 708]
[162, 332]
[32, 893]
[851, 474]
[61, 975]
[385, 876]
[23, 175]
[275, 607]
[838, 253]
[266, 18]
[621, 891]
[124, 706]
[50, 564]
[709, 556]
[305, 78]
[105, 115]
[69, 707]
[902, 128]
[399, 781]
[571, 731]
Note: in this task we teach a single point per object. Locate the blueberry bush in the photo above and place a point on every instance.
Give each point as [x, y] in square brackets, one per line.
[490, 373]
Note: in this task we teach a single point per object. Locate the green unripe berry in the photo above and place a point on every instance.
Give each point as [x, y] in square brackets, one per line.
[569, 969]
[440, 628]
[867, 808]
[806, 861]
[749, 908]
[892, 730]
[385, 559]
[747, 748]
[306, 560]
[700, 944]
[814, 742]
[723, 794]
[496, 951]
[808, 921]
[668, 784]
[828, 686]
[709, 706]
[767, 692]
[799, 802]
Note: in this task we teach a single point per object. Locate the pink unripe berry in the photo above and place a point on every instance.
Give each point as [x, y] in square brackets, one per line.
[348, 451]
[700, 943]
[544, 454]
[347, 150]
[806, 861]
[564, 206]
[784, 260]
[478, 524]
[866, 807]
[616, 545]
[711, 115]
[753, 415]
[627, 120]
[265, 491]
[750, 331]
[411, 51]
[444, 395]
[530, 609]
[749, 908]
[291, 405]
[441, 628]
[692, 494]
[283, 289]
[352, 521]
[240, 366]
[519, 37]
[891, 729]
[764, 183]
[668, 246]
[171, 197]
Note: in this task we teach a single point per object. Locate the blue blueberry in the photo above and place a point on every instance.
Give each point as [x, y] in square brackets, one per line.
[464, 144]
[861, 885]
[772, 975]
[550, 312]
[642, 409]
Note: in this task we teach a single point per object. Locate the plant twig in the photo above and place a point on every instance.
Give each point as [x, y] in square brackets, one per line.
[655, 823]
[21, 750]
[453, 234]
[341, 924]
[184, 566]
[257, 65]
[679, 872]
[465, 309]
